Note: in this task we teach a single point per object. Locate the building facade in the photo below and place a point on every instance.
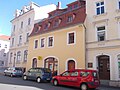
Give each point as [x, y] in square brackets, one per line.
[103, 37]
[22, 25]
[4, 50]
[58, 42]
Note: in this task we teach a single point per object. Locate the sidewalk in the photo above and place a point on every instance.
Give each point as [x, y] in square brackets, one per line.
[110, 83]
[17, 87]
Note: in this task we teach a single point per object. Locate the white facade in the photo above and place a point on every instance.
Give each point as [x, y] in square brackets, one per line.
[22, 26]
[4, 50]
[103, 37]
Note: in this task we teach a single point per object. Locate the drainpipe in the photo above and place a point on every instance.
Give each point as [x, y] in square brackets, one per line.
[85, 46]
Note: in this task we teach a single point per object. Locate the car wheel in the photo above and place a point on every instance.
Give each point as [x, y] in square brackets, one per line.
[11, 75]
[55, 82]
[25, 77]
[84, 87]
[38, 79]
[5, 74]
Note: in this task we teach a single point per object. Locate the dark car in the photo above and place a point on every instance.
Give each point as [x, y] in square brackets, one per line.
[38, 74]
[84, 79]
[13, 71]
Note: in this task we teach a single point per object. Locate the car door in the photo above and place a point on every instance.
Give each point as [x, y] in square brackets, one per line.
[74, 78]
[64, 78]
[30, 74]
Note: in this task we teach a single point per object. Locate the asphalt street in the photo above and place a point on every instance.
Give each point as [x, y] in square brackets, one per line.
[17, 83]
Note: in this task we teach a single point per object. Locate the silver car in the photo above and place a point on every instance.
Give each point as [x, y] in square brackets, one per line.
[13, 71]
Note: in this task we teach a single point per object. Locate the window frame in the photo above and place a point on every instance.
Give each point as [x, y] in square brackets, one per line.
[19, 56]
[100, 7]
[25, 55]
[35, 47]
[101, 31]
[74, 38]
[118, 62]
[43, 42]
[50, 46]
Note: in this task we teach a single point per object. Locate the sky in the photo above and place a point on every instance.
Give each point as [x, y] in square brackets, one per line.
[8, 7]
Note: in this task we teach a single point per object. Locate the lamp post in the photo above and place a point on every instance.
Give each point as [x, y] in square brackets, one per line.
[14, 59]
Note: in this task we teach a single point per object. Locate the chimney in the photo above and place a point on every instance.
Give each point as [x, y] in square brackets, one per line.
[59, 5]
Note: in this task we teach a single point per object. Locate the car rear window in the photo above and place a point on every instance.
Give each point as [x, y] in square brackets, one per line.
[18, 69]
[47, 70]
[94, 74]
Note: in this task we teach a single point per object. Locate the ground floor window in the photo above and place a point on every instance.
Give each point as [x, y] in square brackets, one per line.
[34, 63]
[118, 65]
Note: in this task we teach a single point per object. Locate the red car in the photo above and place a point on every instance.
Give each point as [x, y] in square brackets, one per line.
[85, 79]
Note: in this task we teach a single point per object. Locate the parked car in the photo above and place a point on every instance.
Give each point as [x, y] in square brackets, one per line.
[38, 74]
[13, 71]
[84, 79]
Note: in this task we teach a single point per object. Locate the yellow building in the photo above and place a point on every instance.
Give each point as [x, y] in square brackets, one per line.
[58, 42]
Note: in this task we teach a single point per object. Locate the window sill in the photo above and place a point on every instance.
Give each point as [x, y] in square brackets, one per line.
[104, 14]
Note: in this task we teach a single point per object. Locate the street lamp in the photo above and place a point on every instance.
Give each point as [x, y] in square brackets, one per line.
[14, 59]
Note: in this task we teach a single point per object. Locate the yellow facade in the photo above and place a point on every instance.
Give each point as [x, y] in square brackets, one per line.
[61, 51]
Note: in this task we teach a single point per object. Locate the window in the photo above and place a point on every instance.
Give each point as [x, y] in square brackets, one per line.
[57, 22]
[84, 74]
[36, 44]
[47, 25]
[5, 46]
[11, 54]
[119, 4]
[0, 45]
[25, 55]
[100, 8]
[21, 24]
[76, 5]
[12, 41]
[50, 41]
[27, 37]
[19, 55]
[71, 38]
[29, 21]
[14, 28]
[67, 73]
[101, 33]
[70, 18]
[20, 39]
[42, 44]
[74, 73]
[118, 65]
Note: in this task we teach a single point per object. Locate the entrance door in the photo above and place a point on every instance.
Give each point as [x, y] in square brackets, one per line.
[52, 64]
[71, 65]
[104, 67]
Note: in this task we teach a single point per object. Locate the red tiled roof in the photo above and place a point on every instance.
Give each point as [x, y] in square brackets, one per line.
[79, 14]
[4, 37]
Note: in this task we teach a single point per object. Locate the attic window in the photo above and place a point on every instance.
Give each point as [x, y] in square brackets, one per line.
[71, 18]
[57, 22]
[37, 28]
[47, 25]
[76, 5]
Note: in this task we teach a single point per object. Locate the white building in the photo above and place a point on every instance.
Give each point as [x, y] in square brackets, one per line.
[103, 37]
[22, 26]
[4, 50]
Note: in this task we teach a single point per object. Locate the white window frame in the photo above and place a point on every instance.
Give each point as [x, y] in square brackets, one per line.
[34, 44]
[100, 31]
[41, 42]
[20, 39]
[48, 42]
[74, 38]
[99, 7]
[19, 56]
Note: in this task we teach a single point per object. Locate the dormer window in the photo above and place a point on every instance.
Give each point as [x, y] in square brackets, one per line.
[57, 22]
[70, 18]
[76, 5]
[47, 25]
[37, 28]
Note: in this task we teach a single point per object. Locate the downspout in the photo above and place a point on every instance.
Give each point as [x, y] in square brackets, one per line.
[85, 46]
